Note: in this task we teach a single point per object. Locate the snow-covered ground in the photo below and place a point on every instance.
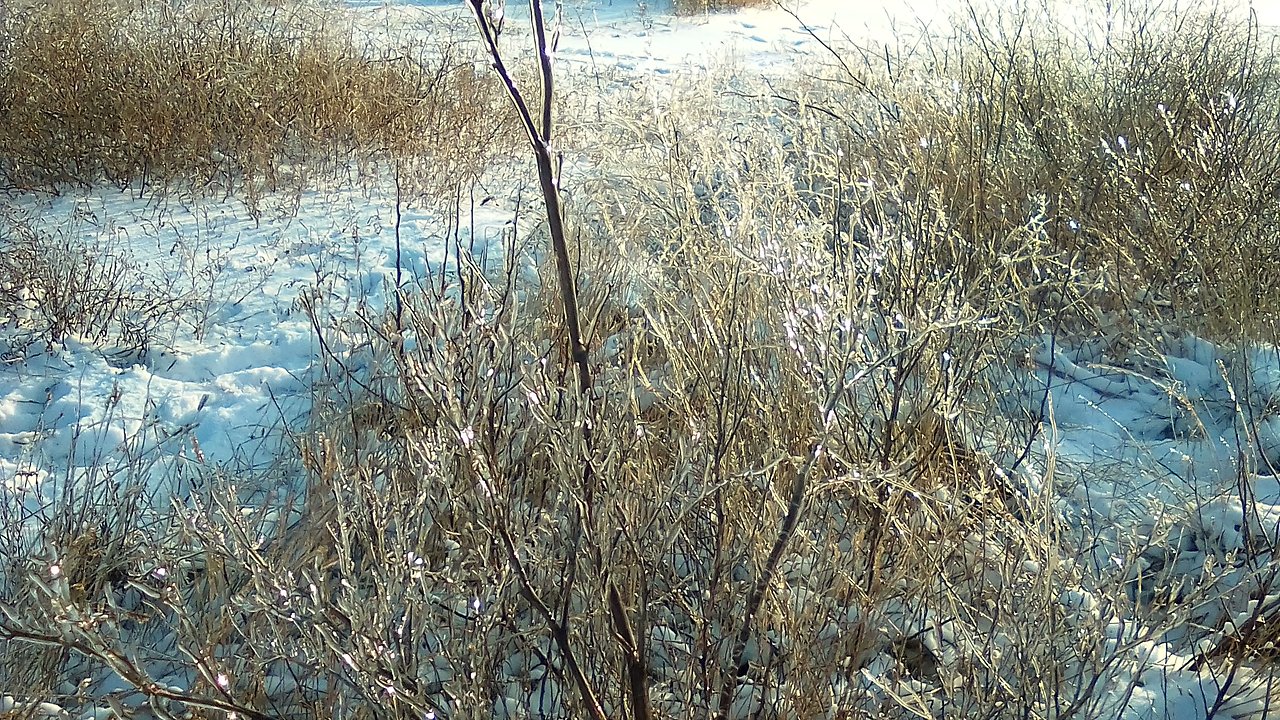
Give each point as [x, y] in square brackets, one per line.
[236, 367]
[1155, 453]
[641, 35]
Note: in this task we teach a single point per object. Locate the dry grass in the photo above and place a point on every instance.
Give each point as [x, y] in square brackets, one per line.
[242, 94]
[811, 316]
[1141, 152]
[58, 286]
[695, 7]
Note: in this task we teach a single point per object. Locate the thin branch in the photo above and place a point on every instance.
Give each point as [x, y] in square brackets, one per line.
[124, 667]
[637, 667]
[559, 631]
[541, 142]
[544, 64]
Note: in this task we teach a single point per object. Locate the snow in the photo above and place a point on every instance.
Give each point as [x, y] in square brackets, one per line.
[240, 365]
[641, 36]
[1152, 449]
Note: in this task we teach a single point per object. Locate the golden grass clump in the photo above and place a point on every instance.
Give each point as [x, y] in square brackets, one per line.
[235, 94]
[786, 492]
[1140, 152]
[695, 7]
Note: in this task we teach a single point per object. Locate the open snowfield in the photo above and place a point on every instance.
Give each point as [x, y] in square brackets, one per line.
[1160, 465]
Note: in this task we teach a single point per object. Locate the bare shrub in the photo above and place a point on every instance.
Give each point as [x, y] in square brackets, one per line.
[801, 307]
[77, 581]
[58, 286]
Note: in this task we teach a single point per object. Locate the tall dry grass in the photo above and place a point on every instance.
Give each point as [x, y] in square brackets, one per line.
[801, 300]
[1142, 148]
[694, 7]
[244, 95]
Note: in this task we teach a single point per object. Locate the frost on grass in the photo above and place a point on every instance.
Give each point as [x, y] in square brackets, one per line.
[352, 475]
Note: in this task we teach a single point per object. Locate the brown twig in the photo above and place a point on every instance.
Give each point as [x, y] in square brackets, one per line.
[540, 139]
[637, 668]
[559, 630]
